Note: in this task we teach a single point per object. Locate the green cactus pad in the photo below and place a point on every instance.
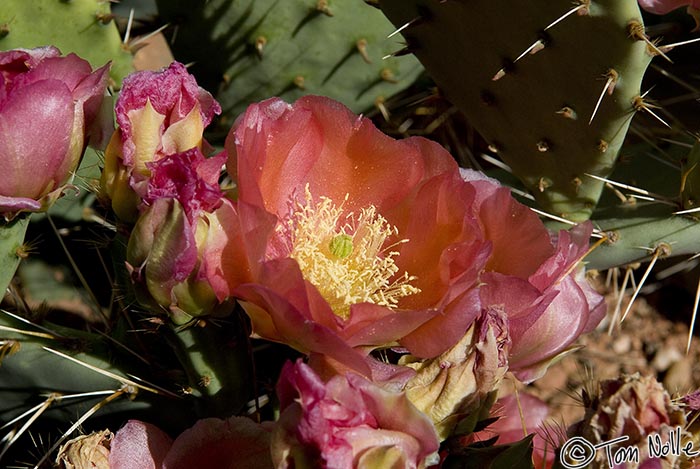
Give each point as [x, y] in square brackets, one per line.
[11, 242]
[84, 27]
[288, 48]
[34, 370]
[639, 233]
[530, 86]
[645, 224]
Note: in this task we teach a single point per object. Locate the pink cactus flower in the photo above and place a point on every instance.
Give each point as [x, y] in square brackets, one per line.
[159, 114]
[48, 105]
[344, 240]
[236, 443]
[329, 254]
[347, 422]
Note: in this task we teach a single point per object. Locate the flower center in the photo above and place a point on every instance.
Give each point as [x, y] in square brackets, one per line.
[347, 261]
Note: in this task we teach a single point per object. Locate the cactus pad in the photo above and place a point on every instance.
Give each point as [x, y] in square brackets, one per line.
[84, 27]
[645, 223]
[11, 249]
[528, 74]
[288, 48]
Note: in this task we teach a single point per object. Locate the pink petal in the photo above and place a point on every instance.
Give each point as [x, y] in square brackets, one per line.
[215, 443]
[570, 249]
[370, 324]
[36, 123]
[281, 147]
[520, 240]
[177, 177]
[237, 246]
[285, 316]
[70, 70]
[15, 63]
[445, 329]
[661, 7]
[567, 317]
[445, 250]
[139, 445]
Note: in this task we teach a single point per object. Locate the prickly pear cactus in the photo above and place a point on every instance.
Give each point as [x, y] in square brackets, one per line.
[551, 84]
[85, 27]
[287, 48]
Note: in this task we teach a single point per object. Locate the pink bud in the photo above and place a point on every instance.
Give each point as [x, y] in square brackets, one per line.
[48, 104]
[168, 250]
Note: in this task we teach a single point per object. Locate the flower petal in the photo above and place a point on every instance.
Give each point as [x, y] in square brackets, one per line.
[216, 443]
[139, 445]
[36, 124]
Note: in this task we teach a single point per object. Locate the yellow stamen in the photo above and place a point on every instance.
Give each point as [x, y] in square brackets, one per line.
[348, 263]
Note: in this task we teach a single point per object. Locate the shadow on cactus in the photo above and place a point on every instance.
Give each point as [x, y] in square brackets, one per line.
[287, 48]
[551, 85]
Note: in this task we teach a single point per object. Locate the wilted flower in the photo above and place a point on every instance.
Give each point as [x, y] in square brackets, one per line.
[237, 442]
[48, 105]
[636, 407]
[347, 422]
[167, 248]
[460, 382]
[86, 451]
[343, 238]
[159, 114]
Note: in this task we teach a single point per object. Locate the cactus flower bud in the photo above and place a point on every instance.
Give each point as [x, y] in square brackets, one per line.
[167, 245]
[48, 104]
[347, 422]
